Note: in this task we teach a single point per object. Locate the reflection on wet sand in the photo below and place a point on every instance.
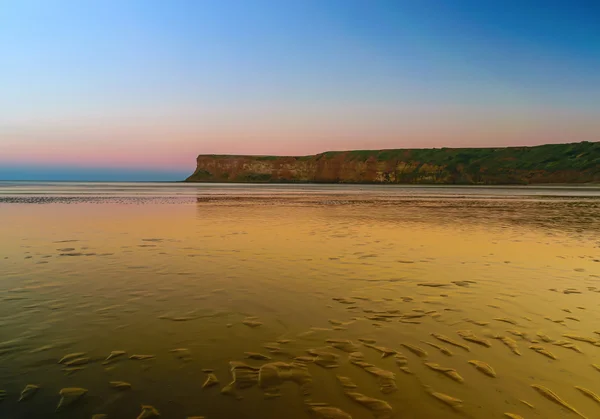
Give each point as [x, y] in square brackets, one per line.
[308, 305]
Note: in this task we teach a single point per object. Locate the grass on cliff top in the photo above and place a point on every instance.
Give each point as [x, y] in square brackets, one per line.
[574, 156]
[584, 156]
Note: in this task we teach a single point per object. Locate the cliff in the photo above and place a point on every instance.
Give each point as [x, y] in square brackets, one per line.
[552, 163]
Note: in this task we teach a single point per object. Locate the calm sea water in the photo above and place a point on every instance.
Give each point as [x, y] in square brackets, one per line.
[280, 290]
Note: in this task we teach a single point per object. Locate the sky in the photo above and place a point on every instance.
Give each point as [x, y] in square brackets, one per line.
[136, 89]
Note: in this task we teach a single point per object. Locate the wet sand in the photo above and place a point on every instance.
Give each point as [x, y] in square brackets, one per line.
[296, 302]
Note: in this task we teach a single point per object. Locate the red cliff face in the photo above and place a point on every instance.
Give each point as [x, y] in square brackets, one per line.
[301, 169]
[560, 163]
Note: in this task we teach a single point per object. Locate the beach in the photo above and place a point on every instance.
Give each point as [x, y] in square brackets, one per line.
[271, 301]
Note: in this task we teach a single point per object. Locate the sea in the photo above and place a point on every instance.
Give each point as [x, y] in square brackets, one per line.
[133, 300]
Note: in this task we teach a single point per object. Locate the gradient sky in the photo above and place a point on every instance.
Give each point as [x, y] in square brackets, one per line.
[90, 87]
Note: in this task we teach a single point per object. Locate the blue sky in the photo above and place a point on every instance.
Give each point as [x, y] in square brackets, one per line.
[90, 86]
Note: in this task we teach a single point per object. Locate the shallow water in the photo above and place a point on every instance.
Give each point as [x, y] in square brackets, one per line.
[220, 270]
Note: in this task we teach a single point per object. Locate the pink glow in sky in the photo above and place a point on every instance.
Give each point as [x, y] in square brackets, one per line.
[174, 144]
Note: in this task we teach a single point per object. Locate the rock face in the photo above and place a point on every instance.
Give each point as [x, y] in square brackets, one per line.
[552, 163]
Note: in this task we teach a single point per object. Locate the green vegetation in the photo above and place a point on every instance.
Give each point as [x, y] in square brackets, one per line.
[267, 158]
[575, 156]
[503, 165]
[304, 158]
[202, 175]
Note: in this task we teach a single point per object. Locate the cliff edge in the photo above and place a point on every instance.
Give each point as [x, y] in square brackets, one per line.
[551, 163]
